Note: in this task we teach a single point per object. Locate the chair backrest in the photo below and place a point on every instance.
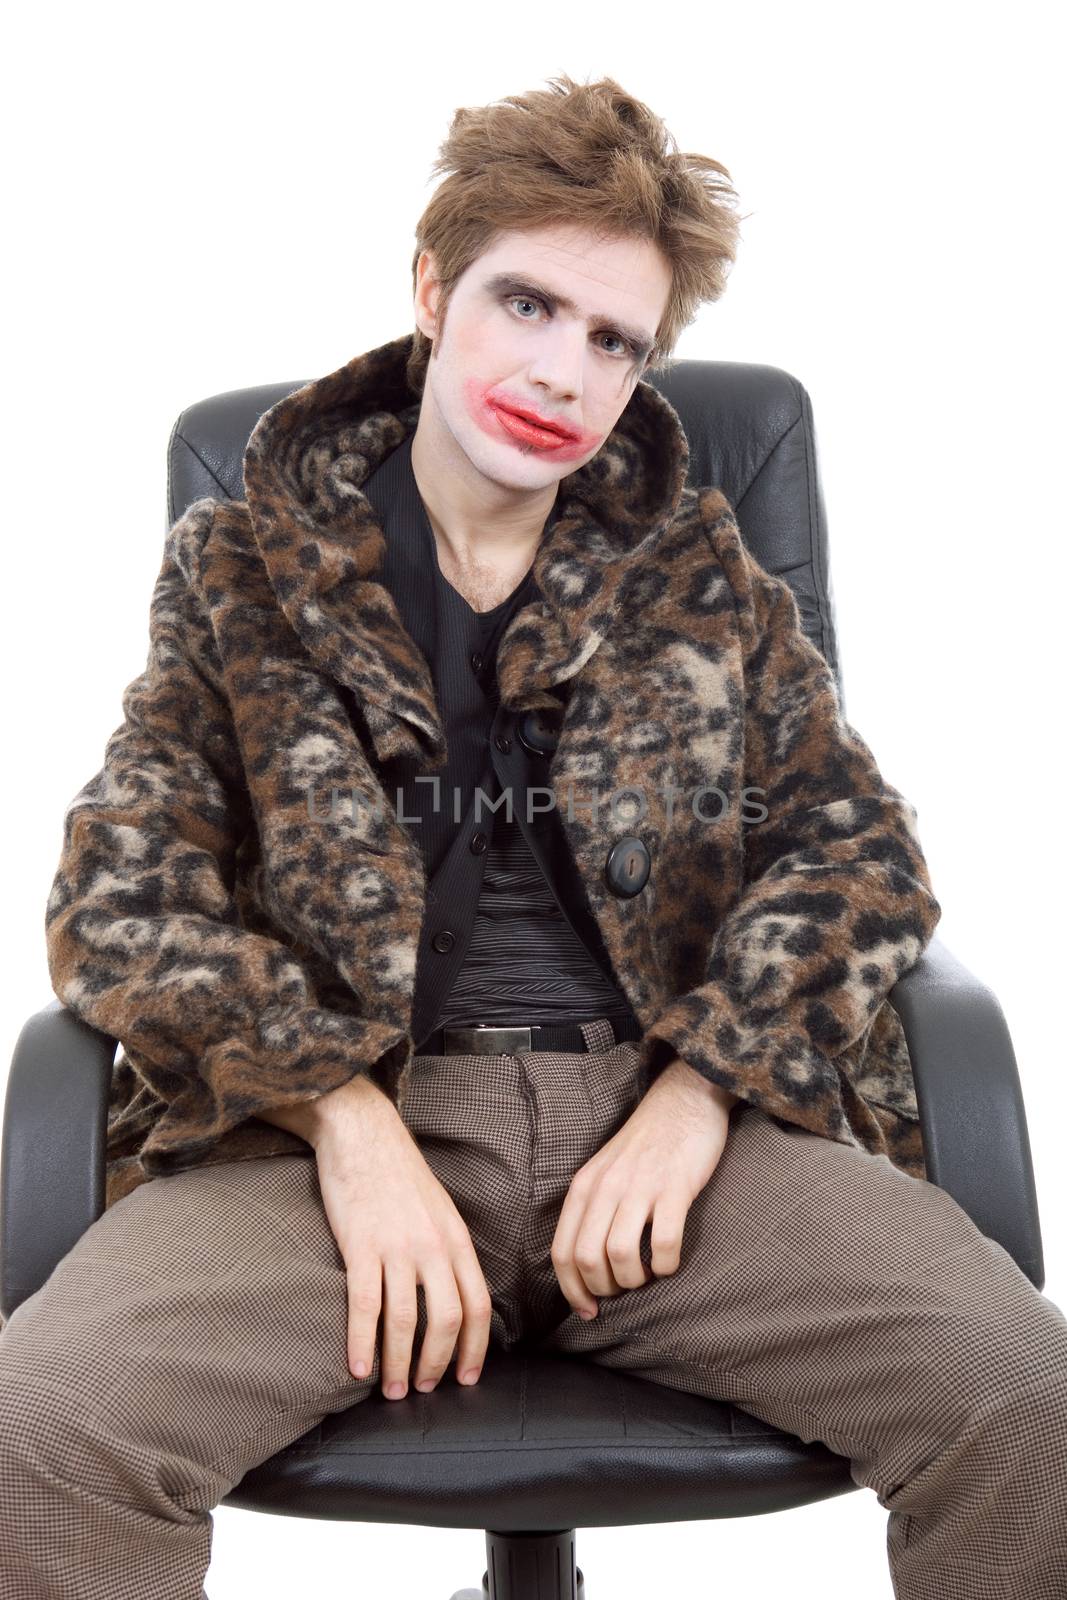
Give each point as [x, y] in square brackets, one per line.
[750, 431]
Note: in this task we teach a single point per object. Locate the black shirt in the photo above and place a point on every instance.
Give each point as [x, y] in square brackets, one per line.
[508, 936]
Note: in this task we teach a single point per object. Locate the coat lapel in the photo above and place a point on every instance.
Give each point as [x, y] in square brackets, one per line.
[322, 544]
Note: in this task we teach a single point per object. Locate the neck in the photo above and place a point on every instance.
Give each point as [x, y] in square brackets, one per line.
[485, 530]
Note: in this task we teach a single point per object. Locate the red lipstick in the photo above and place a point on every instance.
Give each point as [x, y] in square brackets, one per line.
[504, 417]
[528, 414]
[526, 432]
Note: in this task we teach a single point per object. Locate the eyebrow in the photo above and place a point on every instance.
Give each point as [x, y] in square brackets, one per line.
[509, 283]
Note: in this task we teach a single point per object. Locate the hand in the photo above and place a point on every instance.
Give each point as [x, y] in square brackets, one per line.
[655, 1166]
[396, 1225]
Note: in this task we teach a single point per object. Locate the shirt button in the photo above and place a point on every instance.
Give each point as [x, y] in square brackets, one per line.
[479, 841]
[444, 941]
[502, 742]
[477, 661]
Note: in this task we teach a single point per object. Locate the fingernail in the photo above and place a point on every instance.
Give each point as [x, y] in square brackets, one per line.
[395, 1390]
[471, 1376]
[360, 1369]
[426, 1385]
[587, 1316]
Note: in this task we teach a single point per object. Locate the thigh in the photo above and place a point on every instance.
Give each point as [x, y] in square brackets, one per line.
[202, 1318]
[469, 1116]
[836, 1297]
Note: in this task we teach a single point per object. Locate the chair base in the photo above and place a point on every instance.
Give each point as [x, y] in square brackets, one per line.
[529, 1566]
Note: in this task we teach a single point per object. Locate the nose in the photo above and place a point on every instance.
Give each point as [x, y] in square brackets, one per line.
[557, 367]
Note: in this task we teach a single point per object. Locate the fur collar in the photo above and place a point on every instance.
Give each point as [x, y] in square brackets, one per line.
[322, 543]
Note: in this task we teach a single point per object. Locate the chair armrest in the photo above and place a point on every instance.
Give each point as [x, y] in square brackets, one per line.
[975, 1140]
[54, 1148]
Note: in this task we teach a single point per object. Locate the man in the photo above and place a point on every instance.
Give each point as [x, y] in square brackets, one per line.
[410, 1041]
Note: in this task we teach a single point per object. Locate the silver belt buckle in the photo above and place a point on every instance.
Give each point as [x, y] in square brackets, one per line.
[486, 1041]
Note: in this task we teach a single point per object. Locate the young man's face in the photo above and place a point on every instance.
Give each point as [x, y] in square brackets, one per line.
[553, 321]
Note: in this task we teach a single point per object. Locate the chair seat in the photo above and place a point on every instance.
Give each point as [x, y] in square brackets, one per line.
[541, 1442]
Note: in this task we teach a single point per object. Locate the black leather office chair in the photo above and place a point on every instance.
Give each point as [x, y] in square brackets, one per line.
[541, 1446]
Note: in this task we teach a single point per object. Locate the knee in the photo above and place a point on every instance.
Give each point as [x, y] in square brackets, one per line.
[46, 1356]
[1040, 1415]
[43, 1430]
[983, 1356]
[1015, 1443]
[63, 1460]
[69, 1388]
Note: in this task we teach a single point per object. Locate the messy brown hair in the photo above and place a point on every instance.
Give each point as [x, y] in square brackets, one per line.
[587, 154]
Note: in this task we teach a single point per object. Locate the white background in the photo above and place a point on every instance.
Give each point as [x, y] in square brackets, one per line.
[215, 197]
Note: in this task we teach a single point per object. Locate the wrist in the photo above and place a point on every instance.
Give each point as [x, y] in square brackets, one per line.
[300, 1118]
[312, 1119]
[679, 1071]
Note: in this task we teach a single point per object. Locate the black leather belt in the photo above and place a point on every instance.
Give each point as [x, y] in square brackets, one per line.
[493, 1039]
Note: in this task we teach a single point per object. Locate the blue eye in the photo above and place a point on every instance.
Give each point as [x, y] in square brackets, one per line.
[533, 300]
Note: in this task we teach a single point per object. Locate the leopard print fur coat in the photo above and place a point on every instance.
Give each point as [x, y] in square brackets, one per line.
[246, 957]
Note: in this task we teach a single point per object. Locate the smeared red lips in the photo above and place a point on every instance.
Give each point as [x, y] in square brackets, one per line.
[526, 415]
[499, 416]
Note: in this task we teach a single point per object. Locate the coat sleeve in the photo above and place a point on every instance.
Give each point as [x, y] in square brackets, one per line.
[836, 900]
[143, 936]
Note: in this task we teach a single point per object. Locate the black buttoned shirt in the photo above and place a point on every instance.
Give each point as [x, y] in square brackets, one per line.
[508, 936]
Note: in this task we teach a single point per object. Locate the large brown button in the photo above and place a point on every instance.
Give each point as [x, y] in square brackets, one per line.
[628, 866]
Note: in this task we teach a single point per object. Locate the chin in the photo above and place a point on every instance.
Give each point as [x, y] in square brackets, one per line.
[514, 468]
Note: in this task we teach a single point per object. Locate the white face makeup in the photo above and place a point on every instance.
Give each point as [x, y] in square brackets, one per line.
[556, 323]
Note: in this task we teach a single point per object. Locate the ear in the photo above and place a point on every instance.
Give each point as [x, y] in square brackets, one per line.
[427, 290]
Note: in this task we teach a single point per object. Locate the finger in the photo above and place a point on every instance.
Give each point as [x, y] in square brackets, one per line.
[623, 1243]
[401, 1319]
[668, 1227]
[444, 1315]
[364, 1309]
[591, 1246]
[477, 1314]
[562, 1251]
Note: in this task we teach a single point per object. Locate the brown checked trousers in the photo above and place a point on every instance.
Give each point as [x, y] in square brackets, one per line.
[200, 1325]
